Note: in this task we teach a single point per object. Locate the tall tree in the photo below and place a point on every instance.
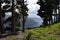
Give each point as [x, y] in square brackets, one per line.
[1, 20]
[45, 11]
[55, 7]
[13, 17]
[23, 11]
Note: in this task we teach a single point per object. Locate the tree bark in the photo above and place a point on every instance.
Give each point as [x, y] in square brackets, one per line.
[23, 18]
[13, 17]
[1, 21]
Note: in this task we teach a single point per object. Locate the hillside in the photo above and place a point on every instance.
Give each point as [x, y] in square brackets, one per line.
[51, 32]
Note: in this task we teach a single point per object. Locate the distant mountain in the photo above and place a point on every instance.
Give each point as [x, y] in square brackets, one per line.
[33, 22]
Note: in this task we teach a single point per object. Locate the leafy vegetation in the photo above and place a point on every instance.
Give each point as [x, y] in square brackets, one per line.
[18, 16]
[45, 33]
[47, 7]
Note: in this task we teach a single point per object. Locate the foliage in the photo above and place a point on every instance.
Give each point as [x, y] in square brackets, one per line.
[45, 11]
[22, 11]
[47, 7]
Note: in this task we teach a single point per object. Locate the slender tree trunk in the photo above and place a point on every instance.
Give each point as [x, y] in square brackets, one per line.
[56, 15]
[51, 20]
[1, 21]
[13, 17]
[23, 19]
[0, 18]
[59, 13]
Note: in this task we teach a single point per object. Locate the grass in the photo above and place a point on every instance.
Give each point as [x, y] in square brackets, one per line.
[51, 32]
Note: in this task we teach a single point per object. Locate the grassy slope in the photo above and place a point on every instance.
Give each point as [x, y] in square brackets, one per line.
[51, 32]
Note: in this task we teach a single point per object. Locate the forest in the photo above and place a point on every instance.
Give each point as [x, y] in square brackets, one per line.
[15, 24]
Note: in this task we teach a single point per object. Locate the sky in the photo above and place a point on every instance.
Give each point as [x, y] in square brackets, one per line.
[31, 1]
[32, 13]
[33, 8]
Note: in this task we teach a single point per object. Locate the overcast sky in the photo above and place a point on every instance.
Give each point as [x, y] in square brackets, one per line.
[33, 8]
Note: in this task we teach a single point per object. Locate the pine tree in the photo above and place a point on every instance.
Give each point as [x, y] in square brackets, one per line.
[45, 11]
[15, 16]
[24, 10]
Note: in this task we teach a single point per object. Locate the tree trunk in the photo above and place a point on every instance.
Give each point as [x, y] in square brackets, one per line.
[13, 17]
[1, 21]
[23, 19]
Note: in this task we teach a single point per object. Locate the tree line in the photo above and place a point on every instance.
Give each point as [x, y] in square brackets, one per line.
[11, 6]
[47, 7]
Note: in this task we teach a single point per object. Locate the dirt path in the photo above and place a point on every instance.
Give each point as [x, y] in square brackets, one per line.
[20, 36]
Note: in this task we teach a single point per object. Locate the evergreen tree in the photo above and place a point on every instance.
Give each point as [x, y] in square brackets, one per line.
[55, 4]
[15, 16]
[45, 11]
[24, 10]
